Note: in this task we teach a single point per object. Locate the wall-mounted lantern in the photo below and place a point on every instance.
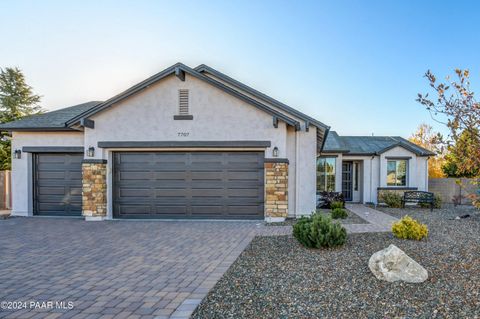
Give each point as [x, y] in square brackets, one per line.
[17, 154]
[91, 151]
[275, 152]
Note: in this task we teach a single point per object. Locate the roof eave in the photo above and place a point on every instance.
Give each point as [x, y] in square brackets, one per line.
[35, 129]
[168, 71]
[205, 68]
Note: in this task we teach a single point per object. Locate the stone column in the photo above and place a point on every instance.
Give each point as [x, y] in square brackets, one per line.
[276, 189]
[94, 189]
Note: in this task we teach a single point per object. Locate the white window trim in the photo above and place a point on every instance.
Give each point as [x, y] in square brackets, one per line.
[407, 172]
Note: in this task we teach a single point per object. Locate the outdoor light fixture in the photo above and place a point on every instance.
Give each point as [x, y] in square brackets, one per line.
[91, 151]
[275, 152]
[17, 154]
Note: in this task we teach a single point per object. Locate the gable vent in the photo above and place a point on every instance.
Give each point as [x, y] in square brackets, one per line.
[183, 102]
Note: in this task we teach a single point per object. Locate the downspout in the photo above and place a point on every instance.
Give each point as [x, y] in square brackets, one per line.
[426, 173]
[371, 178]
[296, 173]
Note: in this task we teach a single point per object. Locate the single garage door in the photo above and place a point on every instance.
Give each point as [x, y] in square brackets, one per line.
[58, 184]
[216, 185]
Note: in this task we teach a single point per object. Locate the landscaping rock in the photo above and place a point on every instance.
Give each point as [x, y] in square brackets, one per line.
[392, 264]
[4, 214]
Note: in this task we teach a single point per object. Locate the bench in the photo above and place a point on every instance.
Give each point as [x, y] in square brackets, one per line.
[418, 197]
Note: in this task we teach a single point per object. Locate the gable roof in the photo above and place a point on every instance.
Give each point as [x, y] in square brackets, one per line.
[206, 69]
[54, 120]
[369, 145]
[70, 118]
[177, 69]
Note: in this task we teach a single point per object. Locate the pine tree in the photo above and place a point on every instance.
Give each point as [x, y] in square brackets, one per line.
[16, 101]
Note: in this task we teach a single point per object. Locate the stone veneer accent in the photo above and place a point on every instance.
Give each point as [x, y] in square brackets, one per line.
[276, 189]
[94, 188]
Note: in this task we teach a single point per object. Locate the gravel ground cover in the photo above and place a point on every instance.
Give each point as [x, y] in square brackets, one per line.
[351, 219]
[275, 277]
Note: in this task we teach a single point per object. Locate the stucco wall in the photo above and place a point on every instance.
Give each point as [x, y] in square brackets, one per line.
[148, 116]
[306, 171]
[374, 169]
[292, 168]
[22, 168]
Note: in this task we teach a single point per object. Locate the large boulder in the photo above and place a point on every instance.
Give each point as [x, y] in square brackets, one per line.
[392, 264]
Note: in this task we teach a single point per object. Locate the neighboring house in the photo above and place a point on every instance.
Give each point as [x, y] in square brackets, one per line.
[194, 143]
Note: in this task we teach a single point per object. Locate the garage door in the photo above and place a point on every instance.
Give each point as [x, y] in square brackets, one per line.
[58, 184]
[223, 185]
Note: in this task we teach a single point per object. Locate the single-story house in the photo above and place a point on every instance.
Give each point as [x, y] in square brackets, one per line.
[196, 144]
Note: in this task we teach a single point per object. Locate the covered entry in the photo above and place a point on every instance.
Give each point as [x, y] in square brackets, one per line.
[216, 185]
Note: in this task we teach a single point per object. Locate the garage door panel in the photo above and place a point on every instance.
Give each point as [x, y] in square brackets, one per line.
[210, 211]
[188, 184]
[169, 210]
[134, 209]
[58, 184]
[207, 192]
[242, 175]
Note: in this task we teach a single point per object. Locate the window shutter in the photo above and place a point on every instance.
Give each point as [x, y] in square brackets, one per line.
[183, 102]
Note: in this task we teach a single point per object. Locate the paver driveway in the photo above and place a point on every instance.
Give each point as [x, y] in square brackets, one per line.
[114, 269]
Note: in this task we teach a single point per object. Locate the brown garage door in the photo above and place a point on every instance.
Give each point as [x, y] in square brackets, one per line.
[223, 185]
[58, 184]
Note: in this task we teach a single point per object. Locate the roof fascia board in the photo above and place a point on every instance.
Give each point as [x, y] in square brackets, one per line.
[132, 90]
[403, 145]
[53, 149]
[146, 83]
[260, 95]
[184, 144]
[37, 129]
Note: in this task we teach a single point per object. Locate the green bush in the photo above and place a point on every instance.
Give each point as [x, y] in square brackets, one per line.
[339, 213]
[319, 231]
[336, 204]
[392, 199]
[409, 228]
[437, 202]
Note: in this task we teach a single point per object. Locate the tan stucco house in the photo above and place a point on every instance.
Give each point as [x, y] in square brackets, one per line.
[194, 143]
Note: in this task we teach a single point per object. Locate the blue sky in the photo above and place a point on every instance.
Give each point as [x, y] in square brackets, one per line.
[354, 65]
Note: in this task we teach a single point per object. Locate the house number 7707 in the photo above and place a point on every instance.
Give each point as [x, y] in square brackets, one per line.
[183, 134]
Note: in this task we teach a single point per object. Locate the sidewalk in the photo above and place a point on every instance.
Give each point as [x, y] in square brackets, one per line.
[378, 221]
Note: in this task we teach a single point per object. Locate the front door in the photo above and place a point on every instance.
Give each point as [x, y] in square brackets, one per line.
[356, 182]
[347, 180]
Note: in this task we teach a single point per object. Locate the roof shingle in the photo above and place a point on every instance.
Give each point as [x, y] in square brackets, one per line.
[369, 145]
[50, 120]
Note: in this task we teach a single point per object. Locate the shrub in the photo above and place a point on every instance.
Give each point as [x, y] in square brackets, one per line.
[409, 228]
[336, 204]
[327, 198]
[319, 231]
[392, 199]
[339, 213]
[437, 202]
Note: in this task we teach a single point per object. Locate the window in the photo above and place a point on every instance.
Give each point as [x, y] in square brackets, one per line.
[397, 172]
[326, 174]
[183, 102]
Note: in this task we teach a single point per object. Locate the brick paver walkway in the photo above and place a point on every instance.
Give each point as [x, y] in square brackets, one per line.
[378, 221]
[126, 269]
[115, 269]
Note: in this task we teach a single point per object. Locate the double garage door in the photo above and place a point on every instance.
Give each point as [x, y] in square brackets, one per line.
[223, 185]
[220, 185]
